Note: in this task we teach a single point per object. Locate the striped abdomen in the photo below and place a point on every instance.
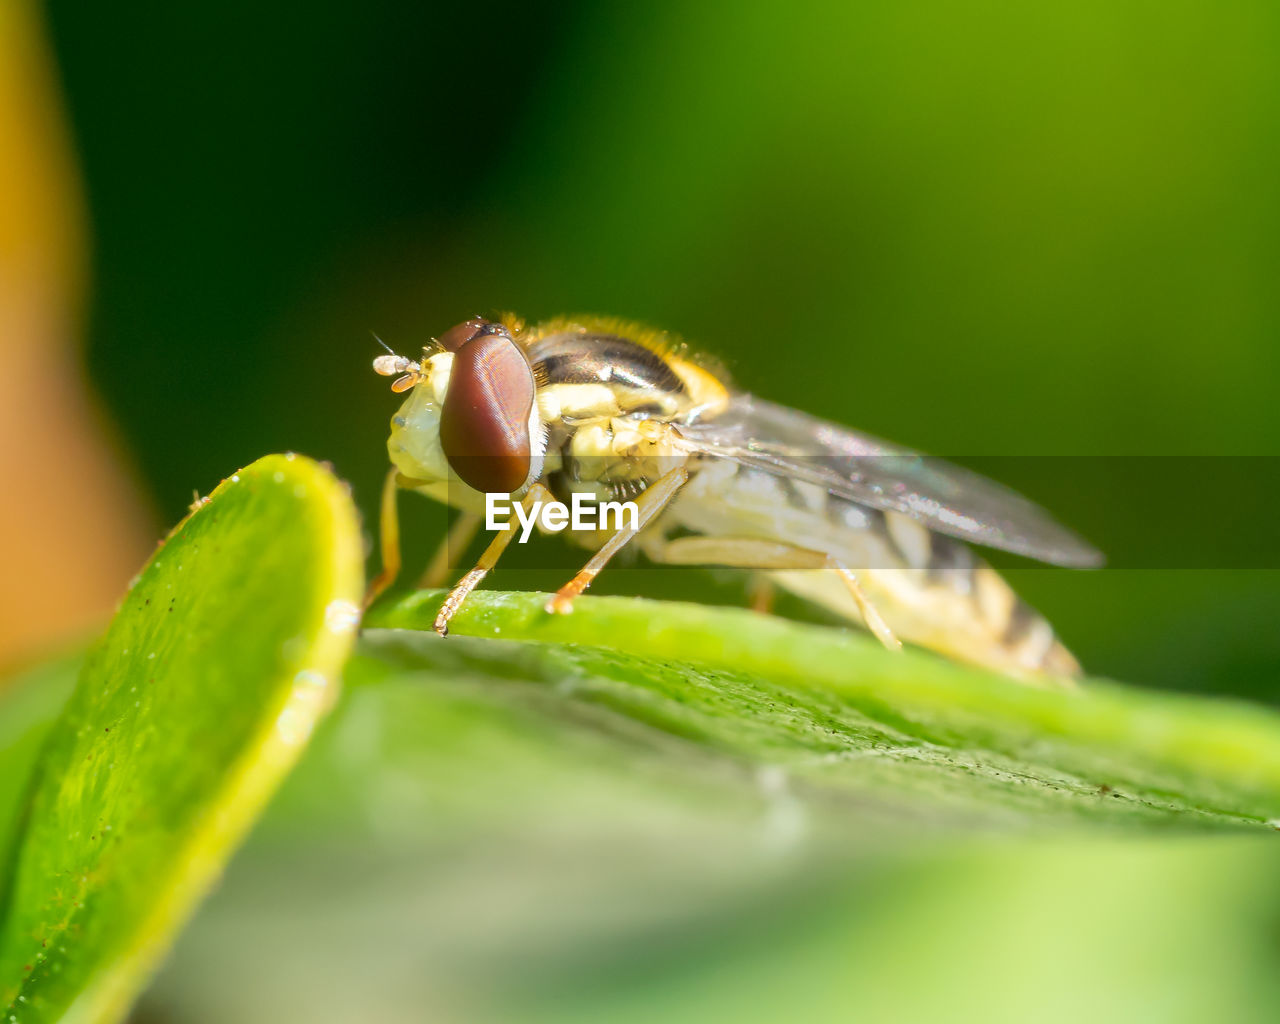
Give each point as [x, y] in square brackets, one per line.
[932, 590]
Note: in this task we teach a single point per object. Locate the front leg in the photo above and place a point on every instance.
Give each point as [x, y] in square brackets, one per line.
[488, 560]
[389, 540]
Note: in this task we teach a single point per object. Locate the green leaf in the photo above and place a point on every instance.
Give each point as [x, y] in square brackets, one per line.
[29, 706]
[197, 701]
[629, 749]
[834, 708]
[668, 811]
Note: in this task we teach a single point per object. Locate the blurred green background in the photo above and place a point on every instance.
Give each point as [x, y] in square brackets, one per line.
[973, 228]
[976, 228]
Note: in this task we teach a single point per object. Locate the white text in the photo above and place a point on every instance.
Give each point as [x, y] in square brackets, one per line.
[583, 513]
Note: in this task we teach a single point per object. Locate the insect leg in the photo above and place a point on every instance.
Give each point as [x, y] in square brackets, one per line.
[750, 553]
[878, 627]
[389, 540]
[761, 593]
[488, 559]
[654, 499]
[440, 569]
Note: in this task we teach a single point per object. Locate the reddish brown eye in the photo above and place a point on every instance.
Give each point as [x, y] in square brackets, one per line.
[459, 334]
[484, 424]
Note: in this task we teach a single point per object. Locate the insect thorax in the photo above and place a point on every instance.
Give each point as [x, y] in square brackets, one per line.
[610, 404]
[585, 374]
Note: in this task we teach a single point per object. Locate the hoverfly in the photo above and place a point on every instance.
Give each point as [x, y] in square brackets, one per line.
[871, 531]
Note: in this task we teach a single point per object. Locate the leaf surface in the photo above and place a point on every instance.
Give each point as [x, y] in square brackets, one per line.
[201, 695]
[842, 712]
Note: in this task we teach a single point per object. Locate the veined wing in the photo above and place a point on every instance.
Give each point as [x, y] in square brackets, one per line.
[874, 473]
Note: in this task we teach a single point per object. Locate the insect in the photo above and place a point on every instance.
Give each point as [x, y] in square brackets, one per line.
[873, 532]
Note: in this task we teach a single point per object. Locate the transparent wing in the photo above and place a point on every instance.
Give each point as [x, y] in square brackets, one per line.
[874, 473]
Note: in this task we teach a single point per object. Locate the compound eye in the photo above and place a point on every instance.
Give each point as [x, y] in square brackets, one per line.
[459, 334]
[484, 423]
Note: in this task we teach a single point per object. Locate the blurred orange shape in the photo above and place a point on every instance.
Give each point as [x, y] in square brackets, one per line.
[72, 525]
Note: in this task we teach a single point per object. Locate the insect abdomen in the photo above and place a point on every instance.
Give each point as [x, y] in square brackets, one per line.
[931, 589]
[934, 591]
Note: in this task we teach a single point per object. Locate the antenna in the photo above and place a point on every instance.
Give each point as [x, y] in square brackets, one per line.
[392, 365]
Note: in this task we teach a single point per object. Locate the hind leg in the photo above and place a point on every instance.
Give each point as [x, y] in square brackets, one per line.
[749, 553]
[761, 593]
